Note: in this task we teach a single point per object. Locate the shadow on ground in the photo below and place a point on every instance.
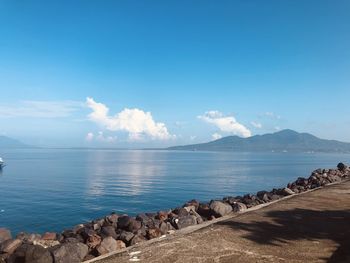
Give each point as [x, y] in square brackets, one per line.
[301, 224]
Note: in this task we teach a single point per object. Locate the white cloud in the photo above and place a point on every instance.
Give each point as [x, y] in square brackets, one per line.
[257, 125]
[193, 137]
[216, 136]
[277, 128]
[225, 123]
[89, 137]
[271, 115]
[40, 109]
[136, 122]
[100, 137]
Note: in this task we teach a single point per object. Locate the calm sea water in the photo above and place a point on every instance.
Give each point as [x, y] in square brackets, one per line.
[50, 190]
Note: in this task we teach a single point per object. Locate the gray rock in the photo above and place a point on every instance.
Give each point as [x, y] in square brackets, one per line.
[134, 225]
[30, 254]
[287, 191]
[93, 241]
[9, 246]
[38, 254]
[5, 234]
[239, 207]
[163, 227]
[153, 233]
[185, 221]
[73, 252]
[126, 236]
[341, 166]
[109, 231]
[109, 244]
[136, 240]
[112, 220]
[123, 222]
[204, 210]
[220, 208]
[180, 211]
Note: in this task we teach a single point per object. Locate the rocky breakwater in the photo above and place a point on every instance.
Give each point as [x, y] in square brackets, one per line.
[116, 232]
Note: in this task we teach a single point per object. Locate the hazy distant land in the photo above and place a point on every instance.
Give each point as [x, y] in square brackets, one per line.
[285, 140]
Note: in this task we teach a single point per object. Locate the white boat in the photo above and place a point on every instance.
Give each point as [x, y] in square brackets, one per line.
[2, 164]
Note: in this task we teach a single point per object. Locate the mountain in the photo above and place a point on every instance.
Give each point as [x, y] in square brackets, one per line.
[6, 142]
[285, 140]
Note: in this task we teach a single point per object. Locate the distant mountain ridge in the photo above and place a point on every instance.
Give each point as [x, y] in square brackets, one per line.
[285, 140]
[6, 142]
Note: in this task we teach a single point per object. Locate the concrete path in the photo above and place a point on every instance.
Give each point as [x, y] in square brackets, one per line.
[312, 227]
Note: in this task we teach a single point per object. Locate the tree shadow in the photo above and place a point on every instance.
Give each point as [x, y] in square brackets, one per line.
[301, 224]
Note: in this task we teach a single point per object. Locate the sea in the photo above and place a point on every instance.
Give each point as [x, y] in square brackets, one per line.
[55, 189]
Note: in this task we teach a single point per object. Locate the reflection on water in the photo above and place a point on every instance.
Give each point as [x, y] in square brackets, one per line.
[107, 174]
[50, 189]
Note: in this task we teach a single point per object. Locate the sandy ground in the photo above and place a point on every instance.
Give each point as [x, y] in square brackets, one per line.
[313, 227]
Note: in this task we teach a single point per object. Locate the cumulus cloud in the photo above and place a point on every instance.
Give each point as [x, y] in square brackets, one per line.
[216, 136]
[89, 137]
[137, 123]
[225, 123]
[257, 125]
[100, 137]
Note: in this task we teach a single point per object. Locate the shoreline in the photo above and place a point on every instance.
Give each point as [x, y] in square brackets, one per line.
[115, 233]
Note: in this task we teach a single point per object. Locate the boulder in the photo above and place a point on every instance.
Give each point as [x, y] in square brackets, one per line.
[49, 236]
[286, 191]
[71, 252]
[162, 215]
[163, 227]
[10, 245]
[111, 220]
[78, 228]
[93, 241]
[220, 208]
[204, 210]
[126, 236]
[185, 221]
[109, 244]
[87, 232]
[30, 254]
[134, 225]
[263, 195]
[231, 200]
[153, 233]
[68, 233]
[145, 220]
[190, 209]
[239, 207]
[38, 254]
[136, 240]
[342, 167]
[123, 222]
[249, 200]
[46, 243]
[301, 181]
[5, 234]
[108, 231]
[192, 202]
[180, 211]
[28, 238]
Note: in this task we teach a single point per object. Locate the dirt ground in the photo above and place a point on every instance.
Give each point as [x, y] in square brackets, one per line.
[312, 227]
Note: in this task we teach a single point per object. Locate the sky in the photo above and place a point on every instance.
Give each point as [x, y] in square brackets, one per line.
[160, 73]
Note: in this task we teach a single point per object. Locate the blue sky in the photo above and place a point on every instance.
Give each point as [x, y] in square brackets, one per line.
[172, 72]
